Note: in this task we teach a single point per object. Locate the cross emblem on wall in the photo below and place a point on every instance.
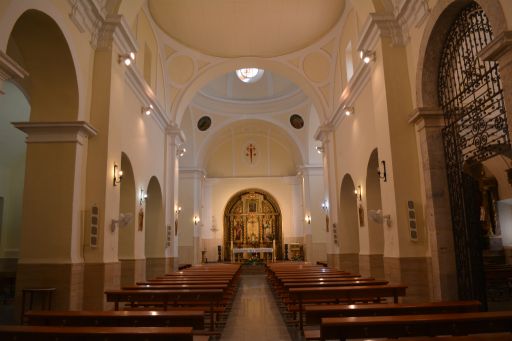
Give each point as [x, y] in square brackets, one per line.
[251, 152]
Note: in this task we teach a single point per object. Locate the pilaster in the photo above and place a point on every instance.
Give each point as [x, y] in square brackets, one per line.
[428, 123]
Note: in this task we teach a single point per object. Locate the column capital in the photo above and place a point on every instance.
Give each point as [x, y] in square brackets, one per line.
[498, 48]
[322, 133]
[9, 69]
[50, 132]
[175, 133]
[423, 117]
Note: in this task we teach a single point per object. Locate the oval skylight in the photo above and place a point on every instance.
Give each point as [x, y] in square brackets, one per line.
[249, 75]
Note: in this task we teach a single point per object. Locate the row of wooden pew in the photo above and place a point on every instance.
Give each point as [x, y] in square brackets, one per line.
[333, 304]
[184, 305]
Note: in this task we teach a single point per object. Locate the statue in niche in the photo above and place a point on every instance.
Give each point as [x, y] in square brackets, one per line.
[267, 230]
[238, 230]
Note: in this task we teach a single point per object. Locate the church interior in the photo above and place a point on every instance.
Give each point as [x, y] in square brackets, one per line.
[252, 138]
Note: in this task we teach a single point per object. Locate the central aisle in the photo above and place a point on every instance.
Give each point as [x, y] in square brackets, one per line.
[255, 315]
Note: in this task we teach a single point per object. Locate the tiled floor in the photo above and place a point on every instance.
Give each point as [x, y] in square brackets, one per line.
[255, 315]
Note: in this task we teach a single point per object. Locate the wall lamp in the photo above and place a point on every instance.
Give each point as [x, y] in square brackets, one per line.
[319, 149]
[196, 220]
[308, 219]
[181, 151]
[127, 59]
[178, 210]
[325, 206]
[382, 174]
[367, 56]
[348, 111]
[143, 196]
[357, 192]
[118, 175]
[147, 110]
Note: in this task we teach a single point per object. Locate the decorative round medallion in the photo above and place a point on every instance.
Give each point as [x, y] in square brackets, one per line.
[204, 123]
[296, 121]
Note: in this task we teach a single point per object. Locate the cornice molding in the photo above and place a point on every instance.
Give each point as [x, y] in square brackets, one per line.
[381, 25]
[411, 13]
[175, 133]
[188, 172]
[215, 105]
[423, 117]
[498, 48]
[146, 95]
[56, 132]
[351, 92]
[88, 16]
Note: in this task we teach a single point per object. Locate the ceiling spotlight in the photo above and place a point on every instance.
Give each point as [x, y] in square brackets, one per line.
[147, 110]
[348, 110]
[319, 149]
[367, 56]
[127, 59]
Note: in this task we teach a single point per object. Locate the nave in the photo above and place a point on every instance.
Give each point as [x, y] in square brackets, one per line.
[258, 301]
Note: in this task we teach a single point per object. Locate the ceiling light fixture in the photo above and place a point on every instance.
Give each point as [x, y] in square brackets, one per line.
[147, 110]
[367, 56]
[348, 111]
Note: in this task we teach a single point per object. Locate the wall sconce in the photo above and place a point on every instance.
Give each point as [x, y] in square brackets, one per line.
[181, 151]
[319, 149]
[178, 210]
[127, 59]
[308, 219]
[118, 175]
[196, 220]
[367, 56]
[382, 175]
[147, 110]
[348, 111]
[357, 192]
[143, 196]
[325, 206]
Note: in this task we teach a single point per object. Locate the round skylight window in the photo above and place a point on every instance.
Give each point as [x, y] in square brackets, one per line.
[249, 75]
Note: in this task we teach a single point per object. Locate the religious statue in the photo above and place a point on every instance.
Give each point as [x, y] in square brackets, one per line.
[238, 231]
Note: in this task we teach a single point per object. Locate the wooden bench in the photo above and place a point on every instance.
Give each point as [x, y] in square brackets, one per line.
[314, 313]
[194, 319]
[349, 294]
[167, 298]
[342, 328]
[65, 333]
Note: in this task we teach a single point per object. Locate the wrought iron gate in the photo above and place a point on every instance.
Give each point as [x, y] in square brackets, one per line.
[471, 97]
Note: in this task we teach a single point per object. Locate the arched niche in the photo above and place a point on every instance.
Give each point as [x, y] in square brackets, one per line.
[252, 218]
[374, 202]
[126, 232]
[39, 46]
[348, 230]
[154, 221]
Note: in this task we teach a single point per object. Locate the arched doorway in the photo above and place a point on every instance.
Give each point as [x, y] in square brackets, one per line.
[349, 224]
[155, 237]
[471, 97]
[374, 202]
[252, 219]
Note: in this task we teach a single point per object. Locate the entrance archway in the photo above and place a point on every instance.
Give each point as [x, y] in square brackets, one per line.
[155, 237]
[349, 226]
[252, 219]
[126, 243]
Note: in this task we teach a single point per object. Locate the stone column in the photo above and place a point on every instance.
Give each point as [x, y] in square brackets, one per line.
[429, 123]
[326, 134]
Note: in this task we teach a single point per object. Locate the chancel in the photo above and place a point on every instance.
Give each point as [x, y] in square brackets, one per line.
[249, 169]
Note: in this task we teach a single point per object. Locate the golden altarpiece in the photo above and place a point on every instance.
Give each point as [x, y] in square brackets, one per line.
[252, 219]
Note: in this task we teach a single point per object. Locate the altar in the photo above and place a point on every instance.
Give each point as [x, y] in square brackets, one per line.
[261, 252]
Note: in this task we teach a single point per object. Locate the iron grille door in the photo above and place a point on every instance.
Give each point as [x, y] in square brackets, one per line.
[470, 94]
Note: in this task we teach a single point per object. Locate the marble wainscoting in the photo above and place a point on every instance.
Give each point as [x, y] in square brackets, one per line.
[416, 273]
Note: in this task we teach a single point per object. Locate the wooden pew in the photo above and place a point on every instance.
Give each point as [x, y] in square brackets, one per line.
[167, 298]
[349, 293]
[314, 313]
[194, 319]
[474, 337]
[64, 333]
[342, 328]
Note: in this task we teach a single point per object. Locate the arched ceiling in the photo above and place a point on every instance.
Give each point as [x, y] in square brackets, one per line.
[237, 28]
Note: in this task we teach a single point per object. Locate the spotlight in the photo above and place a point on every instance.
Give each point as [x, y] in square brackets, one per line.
[367, 56]
[127, 59]
[147, 110]
[348, 111]
[118, 175]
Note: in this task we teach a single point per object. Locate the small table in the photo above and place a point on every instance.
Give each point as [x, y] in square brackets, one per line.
[45, 295]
